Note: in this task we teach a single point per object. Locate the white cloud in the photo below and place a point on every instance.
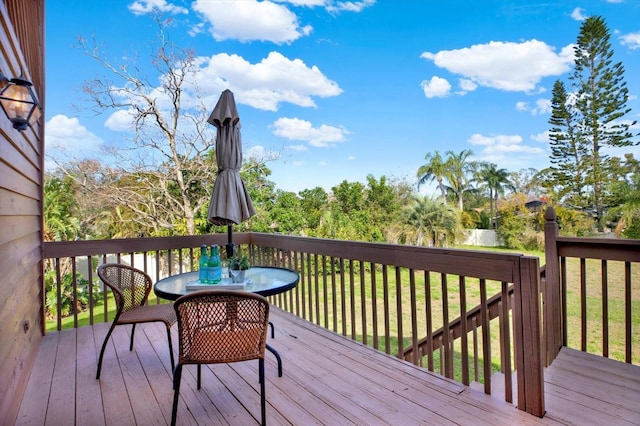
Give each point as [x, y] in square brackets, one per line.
[542, 106]
[305, 3]
[257, 151]
[541, 137]
[65, 136]
[505, 65]
[508, 151]
[351, 158]
[578, 14]
[437, 87]
[249, 20]
[632, 40]
[467, 85]
[350, 6]
[502, 144]
[143, 7]
[332, 6]
[268, 83]
[298, 147]
[120, 121]
[302, 130]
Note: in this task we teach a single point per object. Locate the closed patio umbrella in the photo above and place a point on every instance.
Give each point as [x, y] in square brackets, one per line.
[230, 201]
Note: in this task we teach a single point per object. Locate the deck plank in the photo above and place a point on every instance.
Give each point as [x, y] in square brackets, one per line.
[89, 409]
[33, 410]
[582, 388]
[63, 386]
[328, 380]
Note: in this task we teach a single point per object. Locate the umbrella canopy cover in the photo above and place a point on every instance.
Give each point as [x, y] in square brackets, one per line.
[230, 201]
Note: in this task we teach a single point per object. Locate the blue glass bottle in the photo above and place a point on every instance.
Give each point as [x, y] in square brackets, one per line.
[203, 274]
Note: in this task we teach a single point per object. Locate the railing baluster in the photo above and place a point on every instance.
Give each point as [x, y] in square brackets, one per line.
[333, 296]
[325, 289]
[385, 302]
[583, 303]
[352, 299]
[374, 306]
[363, 302]
[627, 311]
[398, 296]
[463, 334]
[486, 343]
[429, 318]
[343, 297]
[605, 308]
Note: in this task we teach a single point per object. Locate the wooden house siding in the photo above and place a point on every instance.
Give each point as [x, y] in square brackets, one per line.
[21, 177]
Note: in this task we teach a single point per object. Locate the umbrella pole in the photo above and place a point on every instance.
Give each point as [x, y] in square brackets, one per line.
[231, 248]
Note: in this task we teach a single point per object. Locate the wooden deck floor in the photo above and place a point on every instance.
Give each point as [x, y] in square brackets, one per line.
[328, 380]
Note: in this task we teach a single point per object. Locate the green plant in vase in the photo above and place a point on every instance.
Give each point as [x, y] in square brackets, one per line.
[238, 264]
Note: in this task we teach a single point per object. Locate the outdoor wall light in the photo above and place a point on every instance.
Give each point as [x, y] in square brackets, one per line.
[19, 102]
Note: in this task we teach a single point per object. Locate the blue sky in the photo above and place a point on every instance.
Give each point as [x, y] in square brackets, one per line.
[344, 89]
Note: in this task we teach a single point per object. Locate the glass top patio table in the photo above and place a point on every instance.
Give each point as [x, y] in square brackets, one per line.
[263, 280]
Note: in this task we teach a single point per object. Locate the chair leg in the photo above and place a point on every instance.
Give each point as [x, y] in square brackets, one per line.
[170, 349]
[199, 375]
[133, 330]
[104, 345]
[177, 376]
[273, 333]
[277, 355]
[263, 404]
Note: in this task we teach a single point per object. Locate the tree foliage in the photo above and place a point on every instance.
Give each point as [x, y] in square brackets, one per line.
[590, 120]
[162, 176]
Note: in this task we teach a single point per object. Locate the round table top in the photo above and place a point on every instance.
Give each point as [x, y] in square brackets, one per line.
[263, 280]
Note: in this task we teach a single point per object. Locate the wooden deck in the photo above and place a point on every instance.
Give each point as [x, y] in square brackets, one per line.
[328, 380]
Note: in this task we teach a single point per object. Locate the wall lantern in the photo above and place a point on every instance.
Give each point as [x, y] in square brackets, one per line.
[19, 102]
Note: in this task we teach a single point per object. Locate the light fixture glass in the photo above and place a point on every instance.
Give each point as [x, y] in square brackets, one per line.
[19, 102]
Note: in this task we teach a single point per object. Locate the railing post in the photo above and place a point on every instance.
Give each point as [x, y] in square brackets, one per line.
[528, 337]
[551, 294]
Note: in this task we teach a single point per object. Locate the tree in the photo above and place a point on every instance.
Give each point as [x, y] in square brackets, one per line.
[457, 170]
[569, 150]
[527, 182]
[495, 181]
[427, 221]
[171, 136]
[313, 202]
[592, 120]
[60, 208]
[435, 168]
[625, 197]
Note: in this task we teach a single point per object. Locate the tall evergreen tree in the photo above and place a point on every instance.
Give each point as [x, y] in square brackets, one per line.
[569, 151]
[600, 104]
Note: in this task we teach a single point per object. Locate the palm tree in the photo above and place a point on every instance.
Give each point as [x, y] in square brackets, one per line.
[457, 169]
[428, 222]
[434, 169]
[496, 181]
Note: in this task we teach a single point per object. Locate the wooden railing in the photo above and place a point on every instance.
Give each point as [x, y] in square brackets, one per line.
[391, 297]
[602, 277]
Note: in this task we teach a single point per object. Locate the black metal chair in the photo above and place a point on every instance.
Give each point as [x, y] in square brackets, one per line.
[221, 326]
[131, 289]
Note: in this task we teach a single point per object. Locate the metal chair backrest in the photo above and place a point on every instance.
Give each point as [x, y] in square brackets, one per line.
[221, 326]
[130, 286]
